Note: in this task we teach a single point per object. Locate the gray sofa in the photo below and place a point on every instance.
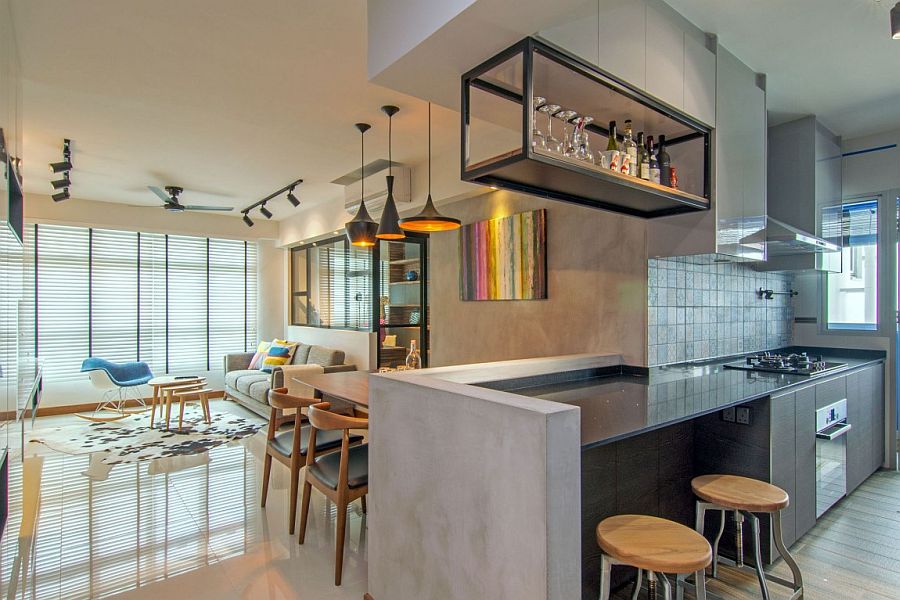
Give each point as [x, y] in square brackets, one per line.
[250, 387]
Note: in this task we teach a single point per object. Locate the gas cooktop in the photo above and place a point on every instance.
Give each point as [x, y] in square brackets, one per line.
[794, 364]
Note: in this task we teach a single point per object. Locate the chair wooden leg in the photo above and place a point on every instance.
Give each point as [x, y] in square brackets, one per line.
[304, 511]
[339, 542]
[295, 486]
[267, 470]
[364, 507]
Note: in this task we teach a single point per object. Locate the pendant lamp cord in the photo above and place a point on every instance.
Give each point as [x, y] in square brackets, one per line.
[390, 144]
[429, 148]
[362, 168]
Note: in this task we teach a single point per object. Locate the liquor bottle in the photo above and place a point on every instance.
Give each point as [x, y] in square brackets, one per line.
[413, 360]
[643, 157]
[631, 150]
[613, 143]
[665, 163]
[654, 164]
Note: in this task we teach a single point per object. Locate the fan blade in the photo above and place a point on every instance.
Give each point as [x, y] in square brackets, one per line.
[162, 195]
[198, 207]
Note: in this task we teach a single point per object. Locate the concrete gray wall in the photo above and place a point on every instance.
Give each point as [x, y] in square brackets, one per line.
[597, 289]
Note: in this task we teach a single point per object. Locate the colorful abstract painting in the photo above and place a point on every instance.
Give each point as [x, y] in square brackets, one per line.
[505, 258]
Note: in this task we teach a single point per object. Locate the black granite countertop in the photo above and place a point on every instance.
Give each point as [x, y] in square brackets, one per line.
[616, 404]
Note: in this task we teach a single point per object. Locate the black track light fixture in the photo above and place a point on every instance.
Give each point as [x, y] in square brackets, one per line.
[62, 183]
[294, 200]
[63, 195]
[265, 211]
[389, 227]
[361, 229]
[66, 164]
[247, 219]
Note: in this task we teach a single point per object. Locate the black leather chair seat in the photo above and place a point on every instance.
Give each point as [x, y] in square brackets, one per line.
[325, 440]
[327, 467]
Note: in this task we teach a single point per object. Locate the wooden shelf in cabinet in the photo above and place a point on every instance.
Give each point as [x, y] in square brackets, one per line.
[404, 261]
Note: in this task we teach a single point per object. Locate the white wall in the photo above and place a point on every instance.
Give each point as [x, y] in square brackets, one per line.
[358, 346]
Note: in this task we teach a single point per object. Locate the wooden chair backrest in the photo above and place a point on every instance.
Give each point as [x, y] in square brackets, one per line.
[321, 418]
[279, 398]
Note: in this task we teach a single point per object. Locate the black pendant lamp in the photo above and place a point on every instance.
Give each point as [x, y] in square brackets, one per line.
[361, 230]
[429, 220]
[389, 228]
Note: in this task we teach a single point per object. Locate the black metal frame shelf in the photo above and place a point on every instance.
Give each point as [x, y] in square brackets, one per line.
[533, 171]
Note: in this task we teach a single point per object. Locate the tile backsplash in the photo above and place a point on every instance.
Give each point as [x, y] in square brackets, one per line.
[702, 309]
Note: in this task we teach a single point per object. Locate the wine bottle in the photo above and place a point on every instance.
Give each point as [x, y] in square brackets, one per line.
[630, 148]
[665, 163]
[654, 163]
[613, 143]
[413, 360]
[643, 157]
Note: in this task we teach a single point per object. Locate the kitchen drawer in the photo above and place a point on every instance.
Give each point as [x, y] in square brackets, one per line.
[828, 392]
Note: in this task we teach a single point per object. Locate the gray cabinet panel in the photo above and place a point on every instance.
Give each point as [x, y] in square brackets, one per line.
[622, 41]
[831, 391]
[699, 79]
[665, 57]
[859, 438]
[783, 458]
[578, 35]
[876, 377]
[804, 498]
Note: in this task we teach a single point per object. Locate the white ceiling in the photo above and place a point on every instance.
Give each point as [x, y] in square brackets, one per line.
[831, 58]
[229, 99]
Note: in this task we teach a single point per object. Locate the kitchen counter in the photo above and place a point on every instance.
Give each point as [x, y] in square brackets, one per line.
[617, 403]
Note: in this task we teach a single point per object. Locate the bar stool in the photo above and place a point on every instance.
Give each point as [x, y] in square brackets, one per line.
[654, 545]
[745, 496]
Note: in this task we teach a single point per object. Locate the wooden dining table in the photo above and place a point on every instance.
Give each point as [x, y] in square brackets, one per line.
[350, 387]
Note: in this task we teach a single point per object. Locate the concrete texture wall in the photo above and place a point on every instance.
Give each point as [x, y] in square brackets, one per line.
[597, 289]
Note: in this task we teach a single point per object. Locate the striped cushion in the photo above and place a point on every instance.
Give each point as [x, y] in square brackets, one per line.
[279, 354]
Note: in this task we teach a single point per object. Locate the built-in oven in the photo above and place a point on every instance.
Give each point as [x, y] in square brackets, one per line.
[831, 455]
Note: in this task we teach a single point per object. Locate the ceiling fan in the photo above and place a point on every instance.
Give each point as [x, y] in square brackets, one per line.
[171, 203]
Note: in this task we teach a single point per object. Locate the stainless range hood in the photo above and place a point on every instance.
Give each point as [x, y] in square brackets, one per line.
[781, 239]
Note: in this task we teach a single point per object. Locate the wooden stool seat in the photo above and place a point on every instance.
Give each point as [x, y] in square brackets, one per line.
[653, 544]
[740, 493]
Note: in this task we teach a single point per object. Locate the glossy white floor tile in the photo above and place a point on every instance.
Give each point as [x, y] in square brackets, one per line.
[188, 527]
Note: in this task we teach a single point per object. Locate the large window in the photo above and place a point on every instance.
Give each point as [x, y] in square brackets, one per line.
[331, 285]
[852, 295]
[179, 303]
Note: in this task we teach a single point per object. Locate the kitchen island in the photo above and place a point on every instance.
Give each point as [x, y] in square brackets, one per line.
[515, 463]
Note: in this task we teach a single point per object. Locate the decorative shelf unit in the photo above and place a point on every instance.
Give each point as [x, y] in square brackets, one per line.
[401, 303]
[498, 116]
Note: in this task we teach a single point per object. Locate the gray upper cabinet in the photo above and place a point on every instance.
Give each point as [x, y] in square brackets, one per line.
[700, 77]
[665, 57]
[622, 39]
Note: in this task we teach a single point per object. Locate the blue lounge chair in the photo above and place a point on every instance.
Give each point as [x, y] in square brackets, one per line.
[117, 381]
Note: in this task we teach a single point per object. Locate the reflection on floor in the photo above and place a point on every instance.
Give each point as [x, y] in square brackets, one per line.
[187, 526]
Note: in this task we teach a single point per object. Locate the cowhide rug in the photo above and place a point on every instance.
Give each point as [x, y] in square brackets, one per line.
[132, 439]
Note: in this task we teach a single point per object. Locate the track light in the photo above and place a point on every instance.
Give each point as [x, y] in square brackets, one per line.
[248, 220]
[895, 21]
[294, 200]
[265, 211]
[59, 167]
[62, 183]
[63, 195]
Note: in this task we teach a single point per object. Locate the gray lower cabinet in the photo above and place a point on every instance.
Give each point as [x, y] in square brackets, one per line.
[804, 500]
[782, 429]
[859, 438]
[879, 435]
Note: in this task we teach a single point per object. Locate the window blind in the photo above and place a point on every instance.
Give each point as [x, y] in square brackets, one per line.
[63, 334]
[177, 302]
[859, 223]
[11, 281]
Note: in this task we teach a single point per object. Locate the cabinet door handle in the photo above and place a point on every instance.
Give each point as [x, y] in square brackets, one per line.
[833, 434]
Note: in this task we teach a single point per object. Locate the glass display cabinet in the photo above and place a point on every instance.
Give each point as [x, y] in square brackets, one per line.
[401, 302]
[535, 119]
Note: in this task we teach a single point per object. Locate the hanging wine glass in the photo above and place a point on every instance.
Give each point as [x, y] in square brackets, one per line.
[582, 140]
[566, 116]
[551, 143]
[537, 137]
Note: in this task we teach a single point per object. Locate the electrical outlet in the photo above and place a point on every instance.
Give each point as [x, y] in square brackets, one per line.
[742, 415]
[728, 415]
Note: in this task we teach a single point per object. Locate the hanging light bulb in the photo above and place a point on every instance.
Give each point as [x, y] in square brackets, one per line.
[429, 219]
[389, 228]
[362, 229]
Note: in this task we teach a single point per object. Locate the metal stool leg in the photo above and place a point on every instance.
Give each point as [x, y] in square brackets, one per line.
[739, 539]
[637, 584]
[679, 586]
[760, 573]
[700, 580]
[605, 568]
[791, 563]
[715, 546]
[651, 585]
[667, 588]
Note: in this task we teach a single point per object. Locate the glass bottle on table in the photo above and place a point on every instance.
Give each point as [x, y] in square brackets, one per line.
[613, 143]
[630, 148]
[413, 360]
[643, 157]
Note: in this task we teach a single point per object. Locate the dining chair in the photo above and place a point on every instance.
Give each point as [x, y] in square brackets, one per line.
[341, 476]
[290, 446]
